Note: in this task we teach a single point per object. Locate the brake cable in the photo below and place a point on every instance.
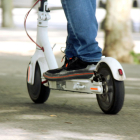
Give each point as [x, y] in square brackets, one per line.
[26, 28]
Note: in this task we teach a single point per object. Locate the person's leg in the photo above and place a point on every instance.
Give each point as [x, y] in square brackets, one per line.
[81, 43]
[71, 38]
[82, 30]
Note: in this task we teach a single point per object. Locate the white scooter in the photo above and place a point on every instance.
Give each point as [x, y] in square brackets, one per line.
[106, 82]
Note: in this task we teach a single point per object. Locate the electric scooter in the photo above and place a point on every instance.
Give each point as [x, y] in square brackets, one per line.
[107, 81]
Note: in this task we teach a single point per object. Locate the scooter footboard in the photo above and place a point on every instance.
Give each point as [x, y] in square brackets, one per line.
[84, 86]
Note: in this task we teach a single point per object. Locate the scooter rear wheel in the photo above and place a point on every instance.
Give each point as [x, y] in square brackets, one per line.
[38, 92]
[112, 99]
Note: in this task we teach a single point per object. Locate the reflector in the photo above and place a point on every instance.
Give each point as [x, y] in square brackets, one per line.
[120, 72]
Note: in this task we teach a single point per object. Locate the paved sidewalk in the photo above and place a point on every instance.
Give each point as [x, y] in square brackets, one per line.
[65, 115]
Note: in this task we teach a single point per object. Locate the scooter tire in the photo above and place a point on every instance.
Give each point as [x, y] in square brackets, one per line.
[38, 92]
[116, 91]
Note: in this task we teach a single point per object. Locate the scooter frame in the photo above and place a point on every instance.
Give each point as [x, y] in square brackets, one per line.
[46, 61]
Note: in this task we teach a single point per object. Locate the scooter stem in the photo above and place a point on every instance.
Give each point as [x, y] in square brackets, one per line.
[42, 34]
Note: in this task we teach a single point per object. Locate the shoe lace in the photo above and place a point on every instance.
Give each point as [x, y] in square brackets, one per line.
[66, 61]
[69, 61]
[63, 58]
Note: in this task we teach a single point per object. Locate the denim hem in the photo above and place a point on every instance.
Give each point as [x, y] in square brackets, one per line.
[82, 30]
[90, 60]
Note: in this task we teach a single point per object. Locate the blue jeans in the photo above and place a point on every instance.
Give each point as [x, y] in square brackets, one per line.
[82, 30]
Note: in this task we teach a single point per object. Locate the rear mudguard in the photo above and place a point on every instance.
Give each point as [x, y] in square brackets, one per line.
[114, 66]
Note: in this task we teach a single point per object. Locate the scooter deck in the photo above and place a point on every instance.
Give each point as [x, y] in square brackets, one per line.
[84, 85]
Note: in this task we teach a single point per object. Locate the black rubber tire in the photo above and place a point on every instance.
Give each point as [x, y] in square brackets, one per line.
[111, 102]
[38, 92]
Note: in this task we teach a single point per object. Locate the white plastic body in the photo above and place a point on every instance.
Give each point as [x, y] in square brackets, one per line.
[46, 59]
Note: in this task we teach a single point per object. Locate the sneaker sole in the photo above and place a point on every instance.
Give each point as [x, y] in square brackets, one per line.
[69, 76]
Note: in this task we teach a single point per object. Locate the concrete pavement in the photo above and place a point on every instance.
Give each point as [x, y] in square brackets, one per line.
[66, 115]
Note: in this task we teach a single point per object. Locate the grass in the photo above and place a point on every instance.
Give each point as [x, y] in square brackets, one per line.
[136, 57]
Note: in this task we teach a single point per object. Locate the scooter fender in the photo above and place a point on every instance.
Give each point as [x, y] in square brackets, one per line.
[114, 66]
[43, 66]
[41, 60]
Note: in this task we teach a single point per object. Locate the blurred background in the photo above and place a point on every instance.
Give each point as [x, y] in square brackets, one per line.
[14, 40]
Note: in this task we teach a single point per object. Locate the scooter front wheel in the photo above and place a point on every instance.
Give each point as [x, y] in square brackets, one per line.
[111, 101]
[37, 92]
